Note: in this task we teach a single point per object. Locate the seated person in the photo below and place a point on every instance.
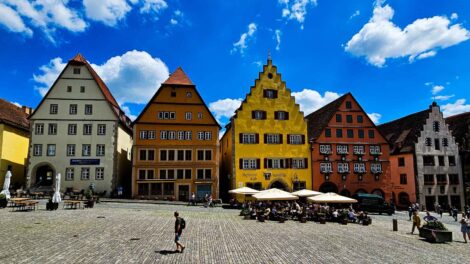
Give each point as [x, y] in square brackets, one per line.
[334, 215]
[266, 213]
[429, 217]
[352, 216]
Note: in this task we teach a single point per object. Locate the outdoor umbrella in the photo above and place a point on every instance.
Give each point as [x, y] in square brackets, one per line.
[331, 198]
[56, 197]
[274, 195]
[306, 193]
[244, 190]
[6, 185]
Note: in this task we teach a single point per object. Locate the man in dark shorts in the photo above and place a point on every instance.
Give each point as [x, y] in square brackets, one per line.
[178, 231]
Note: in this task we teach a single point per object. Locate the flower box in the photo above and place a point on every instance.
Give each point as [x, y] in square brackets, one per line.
[438, 236]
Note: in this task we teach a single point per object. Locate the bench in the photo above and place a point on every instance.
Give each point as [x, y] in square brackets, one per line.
[72, 204]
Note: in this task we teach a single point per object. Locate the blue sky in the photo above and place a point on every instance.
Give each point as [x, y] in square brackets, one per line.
[394, 56]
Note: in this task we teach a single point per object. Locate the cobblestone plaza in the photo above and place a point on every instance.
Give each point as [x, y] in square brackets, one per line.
[143, 233]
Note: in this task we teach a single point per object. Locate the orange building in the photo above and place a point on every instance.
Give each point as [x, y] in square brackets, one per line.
[349, 155]
[175, 144]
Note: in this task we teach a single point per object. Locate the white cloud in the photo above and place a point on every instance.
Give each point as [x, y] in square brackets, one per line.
[177, 18]
[241, 44]
[278, 34]
[355, 14]
[455, 108]
[311, 100]
[109, 12]
[155, 6]
[225, 108]
[443, 97]
[380, 39]
[375, 117]
[48, 15]
[128, 113]
[12, 21]
[17, 104]
[132, 77]
[49, 74]
[454, 16]
[437, 88]
[296, 9]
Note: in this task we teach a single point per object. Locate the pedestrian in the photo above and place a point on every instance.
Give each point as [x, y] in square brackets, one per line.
[416, 221]
[465, 227]
[410, 212]
[455, 211]
[180, 224]
[440, 211]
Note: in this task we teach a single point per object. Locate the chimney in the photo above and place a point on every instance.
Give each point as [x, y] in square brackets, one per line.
[27, 110]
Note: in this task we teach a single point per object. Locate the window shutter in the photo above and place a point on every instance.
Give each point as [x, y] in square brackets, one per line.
[287, 115]
[265, 138]
[240, 137]
[265, 163]
[275, 93]
[288, 138]
[306, 163]
[280, 138]
[283, 163]
[303, 139]
[276, 115]
[257, 163]
[257, 138]
[241, 163]
[264, 115]
[289, 163]
[264, 93]
[253, 114]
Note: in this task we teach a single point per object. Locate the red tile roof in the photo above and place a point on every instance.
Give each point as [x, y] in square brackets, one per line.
[13, 115]
[460, 127]
[178, 77]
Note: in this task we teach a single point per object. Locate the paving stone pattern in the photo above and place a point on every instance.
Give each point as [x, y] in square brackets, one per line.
[144, 233]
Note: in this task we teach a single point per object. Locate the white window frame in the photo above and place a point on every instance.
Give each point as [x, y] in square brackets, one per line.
[326, 167]
[143, 134]
[151, 134]
[163, 134]
[360, 167]
[248, 138]
[188, 135]
[101, 129]
[99, 173]
[207, 135]
[88, 109]
[298, 163]
[343, 167]
[203, 173]
[69, 173]
[70, 150]
[200, 135]
[342, 149]
[359, 149]
[73, 109]
[87, 129]
[51, 150]
[37, 149]
[295, 139]
[52, 129]
[100, 149]
[188, 116]
[258, 115]
[54, 109]
[171, 135]
[200, 115]
[180, 135]
[72, 129]
[376, 167]
[248, 164]
[325, 149]
[375, 149]
[273, 139]
[85, 174]
[39, 129]
[86, 149]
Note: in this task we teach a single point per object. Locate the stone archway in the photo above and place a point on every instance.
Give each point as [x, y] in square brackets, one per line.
[358, 191]
[345, 192]
[43, 175]
[379, 192]
[279, 184]
[328, 187]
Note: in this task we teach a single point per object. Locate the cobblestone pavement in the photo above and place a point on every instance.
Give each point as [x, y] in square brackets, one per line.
[143, 233]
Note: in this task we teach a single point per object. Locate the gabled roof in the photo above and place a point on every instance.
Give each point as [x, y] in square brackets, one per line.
[459, 125]
[317, 121]
[178, 77]
[13, 115]
[80, 60]
[403, 133]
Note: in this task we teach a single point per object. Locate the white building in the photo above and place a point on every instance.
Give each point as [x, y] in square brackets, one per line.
[79, 131]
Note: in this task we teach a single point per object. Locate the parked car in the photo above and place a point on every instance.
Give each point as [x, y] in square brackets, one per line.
[372, 203]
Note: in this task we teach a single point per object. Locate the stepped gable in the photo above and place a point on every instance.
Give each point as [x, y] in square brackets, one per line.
[459, 125]
[13, 115]
[317, 121]
[403, 133]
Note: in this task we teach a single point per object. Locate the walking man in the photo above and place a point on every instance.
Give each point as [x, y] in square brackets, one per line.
[416, 221]
[180, 224]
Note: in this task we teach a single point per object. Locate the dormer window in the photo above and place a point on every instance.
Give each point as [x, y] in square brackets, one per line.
[76, 70]
[348, 105]
[189, 94]
[269, 93]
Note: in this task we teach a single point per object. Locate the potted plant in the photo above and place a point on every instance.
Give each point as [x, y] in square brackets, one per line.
[322, 218]
[90, 202]
[344, 218]
[435, 231]
[3, 200]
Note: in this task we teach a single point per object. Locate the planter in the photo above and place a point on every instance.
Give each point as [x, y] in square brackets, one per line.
[366, 222]
[52, 206]
[3, 203]
[438, 236]
[322, 220]
[303, 219]
[344, 221]
[282, 220]
[90, 203]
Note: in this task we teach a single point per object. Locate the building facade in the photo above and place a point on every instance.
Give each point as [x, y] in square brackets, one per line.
[175, 144]
[14, 142]
[436, 161]
[264, 144]
[79, 131]
[349, 154]
[460, 127]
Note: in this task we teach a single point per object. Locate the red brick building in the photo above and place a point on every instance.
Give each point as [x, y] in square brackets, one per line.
[349, 154]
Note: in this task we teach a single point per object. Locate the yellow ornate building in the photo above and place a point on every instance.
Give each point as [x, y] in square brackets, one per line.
[14, 141]
[264, 145]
